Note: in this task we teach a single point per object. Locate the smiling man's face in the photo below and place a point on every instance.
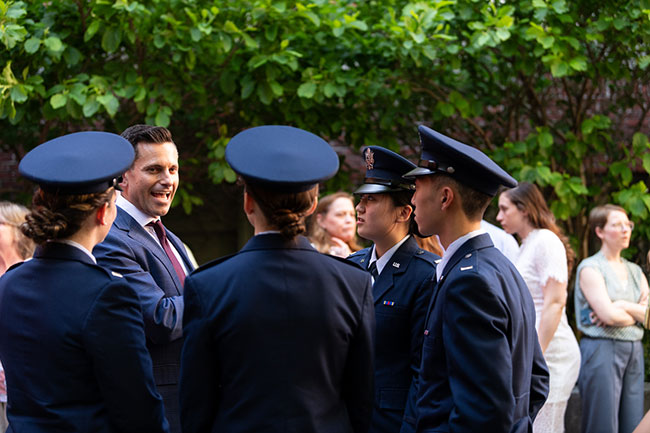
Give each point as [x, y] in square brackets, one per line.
[150, 184]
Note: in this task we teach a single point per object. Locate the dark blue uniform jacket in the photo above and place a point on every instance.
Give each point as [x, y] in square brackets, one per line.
[278, 338]
[73, 347]
[401, 293]
[482, 368]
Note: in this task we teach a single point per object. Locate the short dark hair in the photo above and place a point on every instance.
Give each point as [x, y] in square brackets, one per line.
[137, 134]
[473, 202]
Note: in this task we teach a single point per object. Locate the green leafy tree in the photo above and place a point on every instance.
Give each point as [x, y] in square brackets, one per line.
[556, 91]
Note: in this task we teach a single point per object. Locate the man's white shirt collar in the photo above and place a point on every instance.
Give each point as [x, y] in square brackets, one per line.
[452, 248]
[142, 218]
[383, 260]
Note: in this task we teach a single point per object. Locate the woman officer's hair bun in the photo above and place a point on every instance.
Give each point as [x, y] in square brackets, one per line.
[285, 212]
[59, 216]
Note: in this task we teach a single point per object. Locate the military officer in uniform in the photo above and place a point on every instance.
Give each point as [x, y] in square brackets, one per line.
[278, 337]
[482, 368]
[402, 274]
[72, 333]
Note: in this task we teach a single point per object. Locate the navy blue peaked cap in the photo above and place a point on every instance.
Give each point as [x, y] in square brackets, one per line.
[78, 163]
[384, 171]
[468, 165]
[281, 158]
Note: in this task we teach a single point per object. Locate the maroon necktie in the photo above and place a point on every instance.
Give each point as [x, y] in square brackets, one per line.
[162, 237]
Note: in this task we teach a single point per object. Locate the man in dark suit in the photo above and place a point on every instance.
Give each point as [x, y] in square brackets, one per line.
[278, 337]
[482, 367]
[151, 258]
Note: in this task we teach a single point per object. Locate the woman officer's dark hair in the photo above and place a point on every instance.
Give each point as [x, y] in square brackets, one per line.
[283, 211]
[58, 216]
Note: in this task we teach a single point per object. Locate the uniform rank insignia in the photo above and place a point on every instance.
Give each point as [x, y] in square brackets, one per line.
[466, 268]
[390, 303]
[370, 159]
[396, 265]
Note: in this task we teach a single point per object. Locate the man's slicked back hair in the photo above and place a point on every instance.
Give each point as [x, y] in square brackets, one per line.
[137, 134]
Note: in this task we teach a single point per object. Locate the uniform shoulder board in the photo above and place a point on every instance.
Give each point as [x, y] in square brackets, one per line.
[427, 256]
[359, 253]
[346, 261]
[212, 263]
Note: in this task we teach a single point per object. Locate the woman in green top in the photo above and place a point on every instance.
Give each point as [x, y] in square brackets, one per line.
[610, 299]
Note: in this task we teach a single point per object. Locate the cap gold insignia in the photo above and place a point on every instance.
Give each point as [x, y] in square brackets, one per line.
[370, 159]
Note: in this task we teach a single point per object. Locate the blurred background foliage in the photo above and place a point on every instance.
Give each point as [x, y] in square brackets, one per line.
[556, 91]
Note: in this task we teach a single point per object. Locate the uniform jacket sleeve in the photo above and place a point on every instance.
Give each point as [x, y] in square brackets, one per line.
[198, 382]
[114, 338]
[163, 315]
[358, 380]
[539, 384]
[479, 358]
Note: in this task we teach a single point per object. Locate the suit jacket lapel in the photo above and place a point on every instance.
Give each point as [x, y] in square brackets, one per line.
[395, 266]
[125, 222]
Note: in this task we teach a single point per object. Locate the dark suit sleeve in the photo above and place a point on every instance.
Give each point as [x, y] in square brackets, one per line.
[479, 358]
[198, 382]
[418, 315]
[539, 384]
[163, 315]
[114, 339]
[358, 380]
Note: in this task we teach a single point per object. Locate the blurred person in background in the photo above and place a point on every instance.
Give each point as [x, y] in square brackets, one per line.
[611, 298]
[333, 226]
[15, 247]
[544, 261]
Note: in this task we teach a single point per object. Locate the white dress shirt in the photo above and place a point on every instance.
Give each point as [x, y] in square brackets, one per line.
[143, 219]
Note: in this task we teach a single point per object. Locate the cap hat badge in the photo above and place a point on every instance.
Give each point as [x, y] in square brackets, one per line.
[370, 159]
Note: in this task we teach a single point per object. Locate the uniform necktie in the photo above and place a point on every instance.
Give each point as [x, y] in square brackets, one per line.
[162, 237]
[373, 270]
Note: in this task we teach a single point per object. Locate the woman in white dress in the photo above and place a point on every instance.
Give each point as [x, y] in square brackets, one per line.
[544, 261]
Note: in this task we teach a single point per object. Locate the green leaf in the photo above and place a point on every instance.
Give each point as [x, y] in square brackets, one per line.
[545, 140]
[32, 45]
[58, 100]
[195, 34]
[91, 30]
[162, 118]
[646, 162]
[644, 61]
[276, 87]
[307, 90]
[311, 16]
[53, 43]
[18, 94]
[111, 39]
[110, 103]
[230, 27]
[578, 63]
[90, 107]
[559, 69]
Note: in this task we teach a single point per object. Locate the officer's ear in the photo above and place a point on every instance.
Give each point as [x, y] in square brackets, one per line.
[446, 197]
[100, 216]
[249, 203]
[404, 214]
